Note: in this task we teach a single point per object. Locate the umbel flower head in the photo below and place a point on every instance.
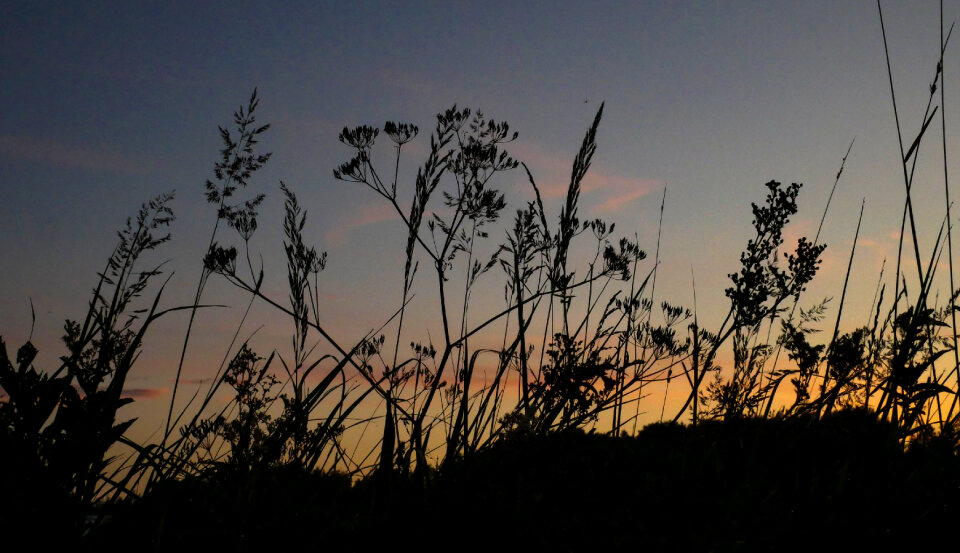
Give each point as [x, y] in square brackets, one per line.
[361, 137]
[400, 133]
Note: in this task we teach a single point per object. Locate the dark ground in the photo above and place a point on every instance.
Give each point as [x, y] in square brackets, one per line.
[747, 485]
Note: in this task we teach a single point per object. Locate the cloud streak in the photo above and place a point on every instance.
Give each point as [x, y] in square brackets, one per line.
[358, 218]
[67, 155]
[603, 192]
[144, 393]
[616, 193]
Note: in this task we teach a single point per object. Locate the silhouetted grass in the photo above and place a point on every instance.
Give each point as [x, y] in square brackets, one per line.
[865, 454]
[746, 484]
[739, 484]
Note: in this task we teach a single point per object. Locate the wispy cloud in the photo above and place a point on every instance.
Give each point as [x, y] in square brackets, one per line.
[879, 249]
[618, 192]
[602, 191]
[144, 393]
[358, 218]
[869, 255]
[195, 381]
[800, 228]
[68, 155]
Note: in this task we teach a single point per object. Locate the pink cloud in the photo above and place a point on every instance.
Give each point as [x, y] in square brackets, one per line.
[194, 381]
[604, 192]
[804, 227]
[144, 393]
[550, 171]
[879, 250]
[362, 216]
[619, 191]
[66, 155]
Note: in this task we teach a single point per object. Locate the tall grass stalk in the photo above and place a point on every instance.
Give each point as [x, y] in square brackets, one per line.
[601, 344]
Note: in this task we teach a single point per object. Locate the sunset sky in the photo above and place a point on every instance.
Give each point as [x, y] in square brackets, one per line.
[105, 105]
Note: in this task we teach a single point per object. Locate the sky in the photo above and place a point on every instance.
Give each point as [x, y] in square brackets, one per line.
[105, 105]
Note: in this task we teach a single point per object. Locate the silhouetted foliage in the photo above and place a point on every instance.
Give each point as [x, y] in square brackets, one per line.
[866, 449]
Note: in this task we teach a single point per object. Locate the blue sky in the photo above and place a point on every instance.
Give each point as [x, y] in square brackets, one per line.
[105, 105]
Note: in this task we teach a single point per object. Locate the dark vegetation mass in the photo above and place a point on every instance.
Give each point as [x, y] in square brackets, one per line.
[749, 484]
[534, 443]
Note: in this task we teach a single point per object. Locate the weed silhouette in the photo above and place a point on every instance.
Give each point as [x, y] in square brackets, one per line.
[866, 447]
